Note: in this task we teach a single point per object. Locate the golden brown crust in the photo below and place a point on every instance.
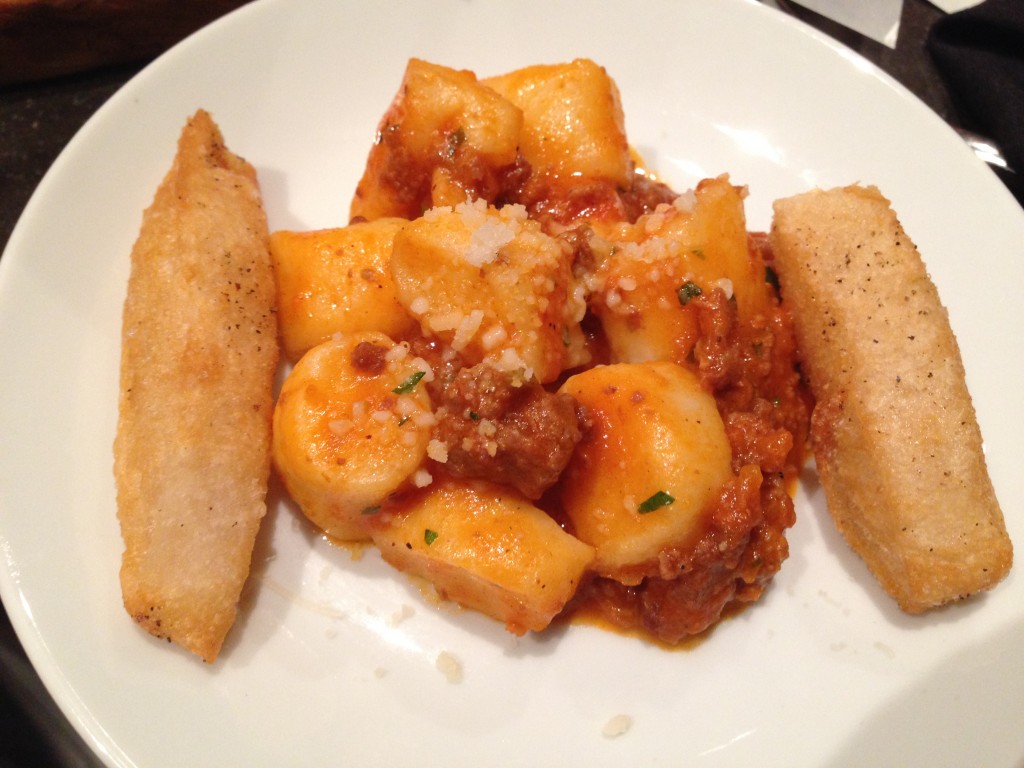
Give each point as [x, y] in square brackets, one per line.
[895, 436]
[199, 350]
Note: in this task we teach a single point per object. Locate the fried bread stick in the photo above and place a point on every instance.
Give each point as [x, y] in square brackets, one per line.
[198, 355]
[894, 432]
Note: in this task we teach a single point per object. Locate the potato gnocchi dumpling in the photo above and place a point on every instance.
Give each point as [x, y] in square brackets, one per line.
[336, 281]
[654, 459]
[573, 126]
[492, 286]
[445, 139]
[487, 548]
[351, 426]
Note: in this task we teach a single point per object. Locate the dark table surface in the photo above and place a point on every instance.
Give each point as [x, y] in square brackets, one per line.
[37, 119]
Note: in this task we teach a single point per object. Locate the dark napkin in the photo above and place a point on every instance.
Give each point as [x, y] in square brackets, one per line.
[980, 54]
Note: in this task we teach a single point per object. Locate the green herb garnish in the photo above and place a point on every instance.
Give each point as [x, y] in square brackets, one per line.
[455, 140]
[657, 501]
[371, 510]
[409, 384]
[688, 291]
[429, 536]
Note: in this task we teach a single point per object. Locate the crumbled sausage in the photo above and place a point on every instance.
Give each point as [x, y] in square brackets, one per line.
[519, 436]
[644, 195]
[369, 357]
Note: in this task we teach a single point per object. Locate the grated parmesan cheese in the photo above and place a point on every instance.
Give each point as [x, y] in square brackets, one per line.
[424, 419]
[449, 666]
[726, 285]
[616, 726]
[340, 427]
[467, 329]
[419, 364]
[438, 451]
[406, 406]
[627, 283]
[398, 352]
[489, 233]
[686, 202]
[401, 615]
[493, 336]
[445, 321]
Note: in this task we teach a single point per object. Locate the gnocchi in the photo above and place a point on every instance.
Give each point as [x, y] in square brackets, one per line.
[336, 281]
[351, 426]
[655, 457]
[573, 126]
[656, 266]
[446, 138]
[492, 286]
[487, 548]
[606, 411]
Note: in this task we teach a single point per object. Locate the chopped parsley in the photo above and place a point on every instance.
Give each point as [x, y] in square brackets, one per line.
[429, 536]
[409, 384]
[657, 501]
[455, 140]
[371, 510]
[687, 292]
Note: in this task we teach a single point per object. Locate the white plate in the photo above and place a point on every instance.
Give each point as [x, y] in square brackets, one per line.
[319, 670]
